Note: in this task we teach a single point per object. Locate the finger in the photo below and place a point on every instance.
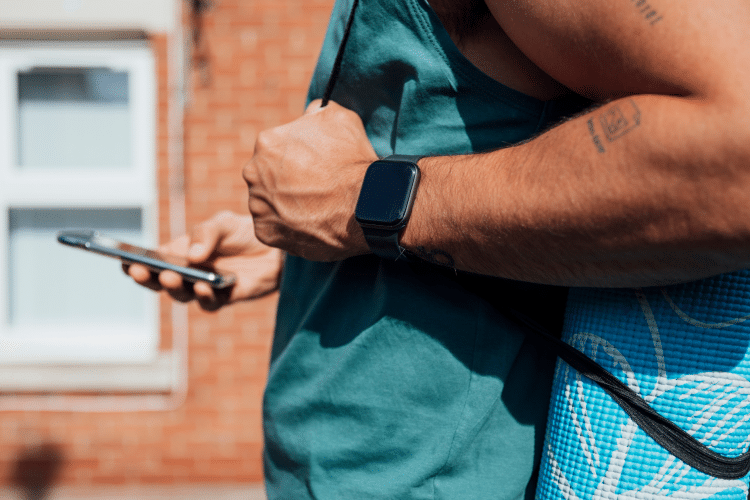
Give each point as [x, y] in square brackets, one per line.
[210, 299]
[184, 294]
[178, 289]
[206, 237]
[143, 276]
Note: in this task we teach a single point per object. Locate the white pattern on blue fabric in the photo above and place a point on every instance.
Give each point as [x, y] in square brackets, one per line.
[684, 349]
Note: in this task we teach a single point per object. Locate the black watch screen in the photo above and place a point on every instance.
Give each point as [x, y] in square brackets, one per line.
[387, 194]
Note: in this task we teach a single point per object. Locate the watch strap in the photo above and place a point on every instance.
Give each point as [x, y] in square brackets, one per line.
[384, 243]
[406, 158]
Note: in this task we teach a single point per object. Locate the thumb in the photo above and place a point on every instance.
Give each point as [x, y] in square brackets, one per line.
[204, 239]
[314, 106]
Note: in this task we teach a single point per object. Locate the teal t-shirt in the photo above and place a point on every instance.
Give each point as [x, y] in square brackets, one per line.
[391, 380]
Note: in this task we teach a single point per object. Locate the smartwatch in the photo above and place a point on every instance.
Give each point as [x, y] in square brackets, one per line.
[385, 203]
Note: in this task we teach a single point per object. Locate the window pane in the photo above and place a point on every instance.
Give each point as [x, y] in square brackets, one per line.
[51, 284]
[73, 117]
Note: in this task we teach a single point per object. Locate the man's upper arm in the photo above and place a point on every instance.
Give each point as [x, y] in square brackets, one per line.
[605, 49]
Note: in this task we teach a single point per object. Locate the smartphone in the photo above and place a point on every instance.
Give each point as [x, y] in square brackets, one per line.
[131, 254]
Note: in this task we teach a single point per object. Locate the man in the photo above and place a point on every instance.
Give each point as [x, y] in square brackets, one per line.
[403, 378]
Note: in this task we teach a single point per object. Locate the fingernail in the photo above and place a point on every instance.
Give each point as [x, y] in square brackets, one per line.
[196, 250]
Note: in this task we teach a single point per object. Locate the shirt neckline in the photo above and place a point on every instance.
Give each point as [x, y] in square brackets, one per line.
[432, 29]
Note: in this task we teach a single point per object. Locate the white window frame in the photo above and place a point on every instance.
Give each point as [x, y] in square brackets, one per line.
[133, 187]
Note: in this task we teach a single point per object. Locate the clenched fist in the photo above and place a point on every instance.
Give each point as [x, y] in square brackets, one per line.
[304, 180]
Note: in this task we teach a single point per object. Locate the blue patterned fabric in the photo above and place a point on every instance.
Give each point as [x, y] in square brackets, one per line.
[684, 349]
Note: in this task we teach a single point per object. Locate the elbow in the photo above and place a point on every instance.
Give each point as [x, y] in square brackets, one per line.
[714, 180]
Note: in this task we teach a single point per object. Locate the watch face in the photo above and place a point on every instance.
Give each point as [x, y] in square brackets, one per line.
[387, 193]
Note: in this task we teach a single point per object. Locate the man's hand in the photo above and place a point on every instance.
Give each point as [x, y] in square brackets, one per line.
[304, 180]
[226, 241]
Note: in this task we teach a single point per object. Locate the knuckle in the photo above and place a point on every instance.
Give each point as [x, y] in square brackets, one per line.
[257, 208]
[249, 172]
[266, 234]
[264, 140]
[263, 236]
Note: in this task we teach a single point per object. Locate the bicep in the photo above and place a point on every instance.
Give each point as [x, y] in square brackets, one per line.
[622, 47]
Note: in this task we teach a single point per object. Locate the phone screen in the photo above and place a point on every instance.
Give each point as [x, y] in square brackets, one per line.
[154, 260]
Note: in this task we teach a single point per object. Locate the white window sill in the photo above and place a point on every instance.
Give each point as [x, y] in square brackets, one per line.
[78, 345]
[155, 377]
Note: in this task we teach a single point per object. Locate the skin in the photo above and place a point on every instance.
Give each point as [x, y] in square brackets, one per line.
[227, 241]
[660, 197]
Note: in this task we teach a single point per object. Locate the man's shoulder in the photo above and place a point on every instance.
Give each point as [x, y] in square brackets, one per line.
[605, 50]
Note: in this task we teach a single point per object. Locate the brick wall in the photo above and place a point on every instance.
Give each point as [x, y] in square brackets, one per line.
[260, 55]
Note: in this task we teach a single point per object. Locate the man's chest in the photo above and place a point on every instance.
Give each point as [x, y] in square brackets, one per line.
[460, 17]
[482, 40]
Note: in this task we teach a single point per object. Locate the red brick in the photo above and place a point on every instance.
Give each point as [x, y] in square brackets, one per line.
[261, 55]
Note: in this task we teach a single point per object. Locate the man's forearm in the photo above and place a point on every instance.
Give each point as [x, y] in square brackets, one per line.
[642, 191]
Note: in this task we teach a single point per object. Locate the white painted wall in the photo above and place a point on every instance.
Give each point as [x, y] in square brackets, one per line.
[148, 15]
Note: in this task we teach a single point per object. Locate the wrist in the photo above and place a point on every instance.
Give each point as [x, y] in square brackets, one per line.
[430, 232]
[427, 210]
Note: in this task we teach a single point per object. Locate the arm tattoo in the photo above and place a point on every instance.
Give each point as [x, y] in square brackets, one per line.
[616, 121]
[648, 12]
[595, 137]
[620, 119]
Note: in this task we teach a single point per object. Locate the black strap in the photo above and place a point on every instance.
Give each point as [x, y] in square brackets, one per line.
[383, 243]
[339, 57]
[671, 437]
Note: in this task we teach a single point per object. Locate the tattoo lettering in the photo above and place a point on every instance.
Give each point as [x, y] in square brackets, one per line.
[615, 121]
[436, 257]
[595, 137]
[648, 12]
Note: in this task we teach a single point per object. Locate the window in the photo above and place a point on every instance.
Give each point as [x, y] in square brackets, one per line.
[77, 150]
